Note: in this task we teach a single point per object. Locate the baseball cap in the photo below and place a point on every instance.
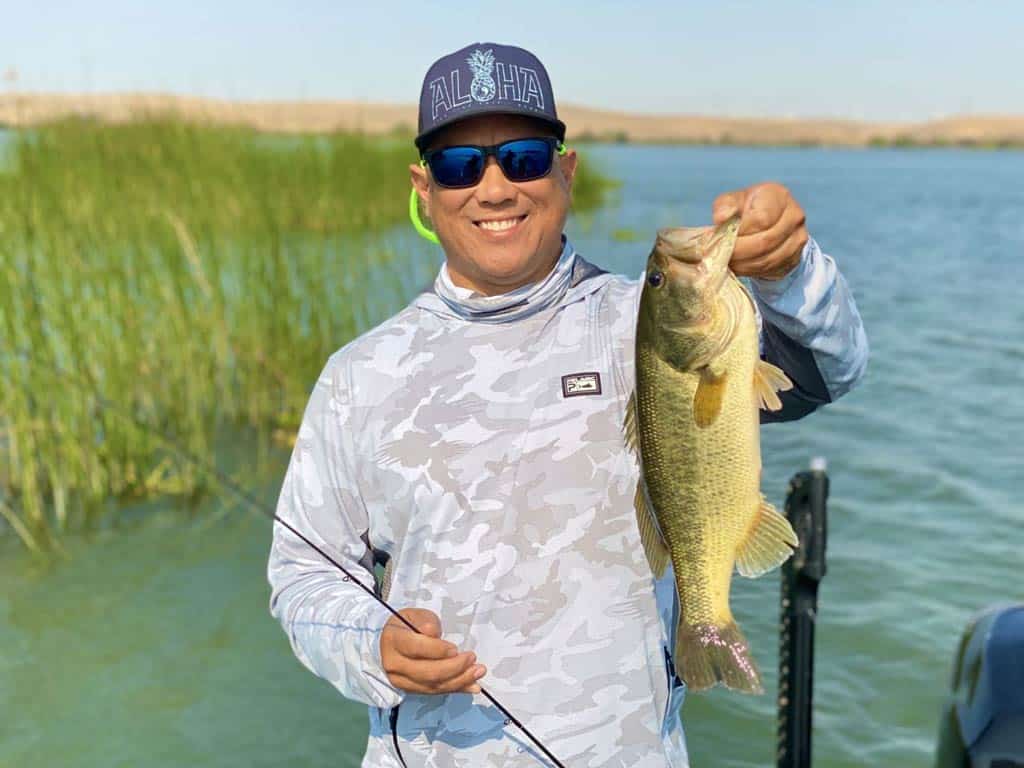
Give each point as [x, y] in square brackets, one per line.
[485, 79]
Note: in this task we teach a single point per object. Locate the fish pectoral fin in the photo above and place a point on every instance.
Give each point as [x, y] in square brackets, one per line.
[768, 380]
[768, 544]
[629, 425]
[650, 533]
[707, 400]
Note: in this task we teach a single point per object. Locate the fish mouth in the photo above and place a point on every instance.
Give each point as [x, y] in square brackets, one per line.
[682, 243]
[696, 246]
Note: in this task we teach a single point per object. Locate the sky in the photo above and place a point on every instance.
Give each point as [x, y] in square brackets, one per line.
[872, 60]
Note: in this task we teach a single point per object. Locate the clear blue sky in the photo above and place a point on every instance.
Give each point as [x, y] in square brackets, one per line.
[872, 59]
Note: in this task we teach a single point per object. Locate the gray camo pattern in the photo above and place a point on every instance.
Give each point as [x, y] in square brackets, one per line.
[507, 509]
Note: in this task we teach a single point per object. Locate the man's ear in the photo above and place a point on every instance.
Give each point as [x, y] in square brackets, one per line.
[567, 163]
[421, 183]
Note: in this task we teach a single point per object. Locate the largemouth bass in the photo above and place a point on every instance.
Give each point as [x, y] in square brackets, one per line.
[694, 422]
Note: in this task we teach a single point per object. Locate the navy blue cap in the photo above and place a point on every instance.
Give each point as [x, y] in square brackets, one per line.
[485, 79]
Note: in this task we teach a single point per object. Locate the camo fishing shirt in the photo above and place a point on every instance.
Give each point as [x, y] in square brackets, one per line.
[477, 442]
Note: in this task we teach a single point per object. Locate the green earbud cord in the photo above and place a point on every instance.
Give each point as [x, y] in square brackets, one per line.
[414, 206]
[414, 216]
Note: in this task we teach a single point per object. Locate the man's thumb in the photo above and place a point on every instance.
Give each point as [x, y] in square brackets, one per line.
[424, 620]
[726, 206]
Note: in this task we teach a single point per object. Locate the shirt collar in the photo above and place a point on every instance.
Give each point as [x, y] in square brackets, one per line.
[514, 305]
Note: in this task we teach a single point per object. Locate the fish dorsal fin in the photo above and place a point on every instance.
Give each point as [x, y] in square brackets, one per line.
[629, 427]
[768, 544]
[768, 380]
[707, 399]
[650, 533]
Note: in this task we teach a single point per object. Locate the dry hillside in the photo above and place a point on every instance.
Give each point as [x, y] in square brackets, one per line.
[27, 109]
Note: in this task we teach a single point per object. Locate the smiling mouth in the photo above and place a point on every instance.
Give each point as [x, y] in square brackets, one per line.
[500, 225]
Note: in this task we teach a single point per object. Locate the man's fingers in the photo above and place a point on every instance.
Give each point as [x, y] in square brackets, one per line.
[728, 205]
[764, 242]
[415, 680]
[437, 673]
[778, 262]
[425, 663]
[409, 644]
[431, 672]
[469, 681]
[763, 207]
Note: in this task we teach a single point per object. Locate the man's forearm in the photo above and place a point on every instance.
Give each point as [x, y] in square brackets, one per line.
[811, 328]
[333, 625]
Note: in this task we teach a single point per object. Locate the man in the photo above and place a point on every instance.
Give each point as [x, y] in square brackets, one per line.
[475, 441]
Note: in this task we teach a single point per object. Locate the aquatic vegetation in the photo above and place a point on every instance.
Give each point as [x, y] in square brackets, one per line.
[626, 235]
[189, 277]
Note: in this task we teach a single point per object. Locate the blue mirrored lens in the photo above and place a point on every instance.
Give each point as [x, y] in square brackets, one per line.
[520, 160]
[525, 159]
[457, 166]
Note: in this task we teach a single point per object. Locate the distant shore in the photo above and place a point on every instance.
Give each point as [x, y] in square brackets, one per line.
[18, 110]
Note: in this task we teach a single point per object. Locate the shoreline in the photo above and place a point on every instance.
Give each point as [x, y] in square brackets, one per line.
[586, 125]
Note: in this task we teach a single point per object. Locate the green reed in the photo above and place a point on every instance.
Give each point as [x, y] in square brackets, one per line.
[196, 277]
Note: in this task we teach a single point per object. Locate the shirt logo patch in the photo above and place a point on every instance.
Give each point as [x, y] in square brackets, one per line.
[574, 384]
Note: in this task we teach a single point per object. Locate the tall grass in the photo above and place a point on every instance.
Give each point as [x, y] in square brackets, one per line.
[196, 277]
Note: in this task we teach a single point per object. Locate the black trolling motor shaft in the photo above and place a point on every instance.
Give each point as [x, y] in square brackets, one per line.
[801, 575]
[226, 483]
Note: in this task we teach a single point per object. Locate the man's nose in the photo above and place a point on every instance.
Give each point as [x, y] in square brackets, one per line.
[494, 188]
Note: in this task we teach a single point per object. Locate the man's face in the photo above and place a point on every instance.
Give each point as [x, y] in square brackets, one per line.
[484, 252]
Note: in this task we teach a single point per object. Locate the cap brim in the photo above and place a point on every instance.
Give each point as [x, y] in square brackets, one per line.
[423, 139]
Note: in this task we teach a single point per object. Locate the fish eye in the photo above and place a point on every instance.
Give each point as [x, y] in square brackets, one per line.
[655, 279]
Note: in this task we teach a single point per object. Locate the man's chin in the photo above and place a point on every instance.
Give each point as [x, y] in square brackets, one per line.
[501, 275]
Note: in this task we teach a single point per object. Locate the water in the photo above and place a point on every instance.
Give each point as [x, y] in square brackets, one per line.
[152, 644]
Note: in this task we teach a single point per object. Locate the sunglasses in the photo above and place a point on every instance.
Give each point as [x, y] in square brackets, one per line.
[519, 159]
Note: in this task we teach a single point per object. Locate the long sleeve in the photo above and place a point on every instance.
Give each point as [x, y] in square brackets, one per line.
[812, 330]
[333, 625]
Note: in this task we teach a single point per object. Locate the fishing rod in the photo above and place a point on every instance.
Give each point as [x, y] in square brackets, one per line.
[225, 481]
[806, 509]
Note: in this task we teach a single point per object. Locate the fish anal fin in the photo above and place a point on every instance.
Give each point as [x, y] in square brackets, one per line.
[650, 534]
[707, 400]
[768, 380]
[768, 544]
[711, 654]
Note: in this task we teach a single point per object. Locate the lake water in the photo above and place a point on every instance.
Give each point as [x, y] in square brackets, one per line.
[152, 645]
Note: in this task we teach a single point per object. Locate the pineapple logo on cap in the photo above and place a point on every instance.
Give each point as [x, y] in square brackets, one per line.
[482, 64]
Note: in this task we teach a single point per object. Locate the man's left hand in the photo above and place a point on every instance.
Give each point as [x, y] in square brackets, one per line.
[772, 230]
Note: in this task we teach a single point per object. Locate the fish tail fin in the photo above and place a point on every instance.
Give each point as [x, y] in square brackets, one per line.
[709, 654]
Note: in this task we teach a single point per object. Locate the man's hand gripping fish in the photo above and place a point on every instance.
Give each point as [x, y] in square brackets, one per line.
[694, 420]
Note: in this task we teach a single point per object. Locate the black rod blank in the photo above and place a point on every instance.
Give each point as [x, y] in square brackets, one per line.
[801, 575]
